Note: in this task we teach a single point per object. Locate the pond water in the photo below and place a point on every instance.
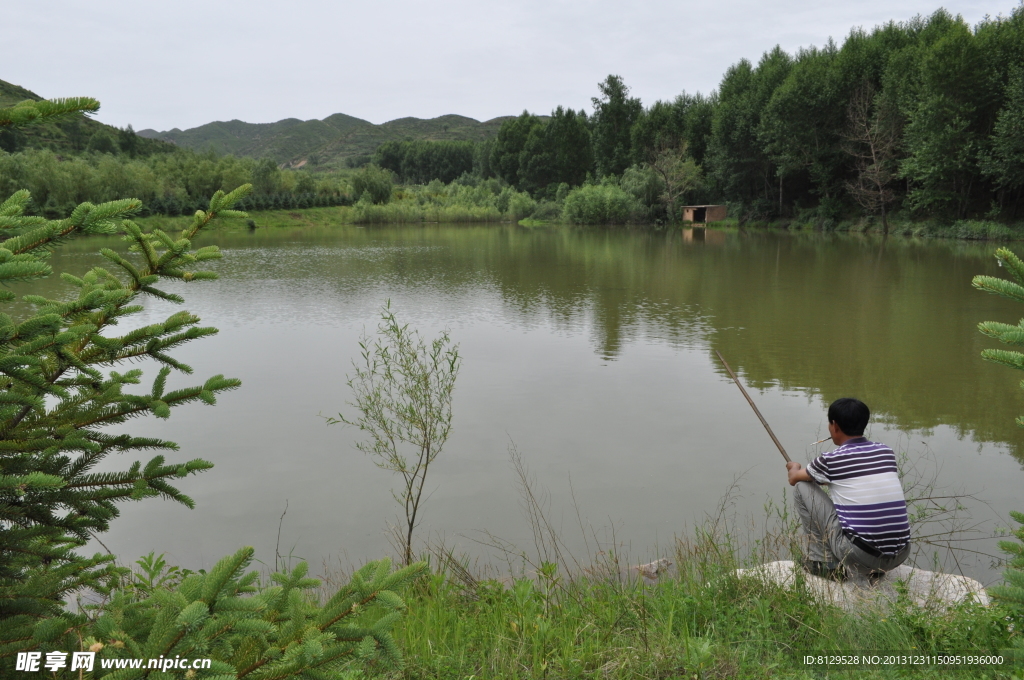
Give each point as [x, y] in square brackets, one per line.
[593, 352]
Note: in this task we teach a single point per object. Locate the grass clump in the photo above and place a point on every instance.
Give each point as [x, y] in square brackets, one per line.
[704, 622]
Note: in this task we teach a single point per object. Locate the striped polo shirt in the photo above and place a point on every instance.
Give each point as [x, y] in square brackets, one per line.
[866, 491]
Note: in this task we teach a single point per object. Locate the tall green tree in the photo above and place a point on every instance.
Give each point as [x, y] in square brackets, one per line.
[662, 126]
[568, 133]
[128, 141]
[944, 132]
[700, 114]
[556, 152]
[507, 149]
[1003, 162]
[537, 161]
[738, 162]
[802, 124]
[266, 176]
[615, 113]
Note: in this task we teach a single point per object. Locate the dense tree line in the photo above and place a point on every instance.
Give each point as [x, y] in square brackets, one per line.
[420, 161]
[537, 156]
[168, 183]
[924, 117]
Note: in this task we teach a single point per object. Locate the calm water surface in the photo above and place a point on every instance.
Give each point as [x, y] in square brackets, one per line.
[592, 351]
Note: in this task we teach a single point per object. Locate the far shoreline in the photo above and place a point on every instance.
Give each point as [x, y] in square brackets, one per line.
[963, 230]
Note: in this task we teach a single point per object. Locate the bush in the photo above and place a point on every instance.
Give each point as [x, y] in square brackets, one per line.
[604, 204]
[374, 183]
[644, 185]
[547, 210]
[521, 206]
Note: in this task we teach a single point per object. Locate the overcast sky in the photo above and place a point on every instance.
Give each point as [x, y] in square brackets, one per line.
[181, 64]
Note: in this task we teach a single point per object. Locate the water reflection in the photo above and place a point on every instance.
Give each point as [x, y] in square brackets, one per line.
[828, 315]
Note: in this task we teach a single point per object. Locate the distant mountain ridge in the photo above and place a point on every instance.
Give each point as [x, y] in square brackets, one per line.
[322, 143]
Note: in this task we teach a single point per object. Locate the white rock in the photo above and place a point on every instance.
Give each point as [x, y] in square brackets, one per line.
[925, 588]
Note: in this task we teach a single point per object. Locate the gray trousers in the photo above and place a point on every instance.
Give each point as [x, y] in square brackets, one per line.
[826, 541]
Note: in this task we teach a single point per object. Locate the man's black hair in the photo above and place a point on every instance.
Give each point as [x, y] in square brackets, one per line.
[851, 415]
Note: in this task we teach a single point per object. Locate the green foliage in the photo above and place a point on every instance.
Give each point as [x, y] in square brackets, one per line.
[30, 111]
[1005, 333]
[556, 152]
[944, 133]
[420, 161]
[372, 185]
[403, 393]
[508, 146]
[114, 163]
[599, 204]
[615, 113]
[101, 142]
[1004, 163]
[568, 135]
[246, 628]
[661, 126]
[1012, 590]
[802, 122]
[520, 205]
[265, 176]
[457, 202]
[646, 186]
[740, 164]
[61, 400]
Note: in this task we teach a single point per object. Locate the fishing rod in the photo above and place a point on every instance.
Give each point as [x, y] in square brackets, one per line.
[751, 402]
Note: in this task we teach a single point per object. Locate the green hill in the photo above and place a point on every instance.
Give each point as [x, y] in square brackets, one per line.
[68, 135]
[323, 143]
[11, 94]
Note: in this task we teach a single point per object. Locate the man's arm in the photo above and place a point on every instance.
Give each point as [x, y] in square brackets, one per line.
[798, 473]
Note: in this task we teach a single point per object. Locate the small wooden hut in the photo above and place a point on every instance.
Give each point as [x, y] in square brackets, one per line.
[702, 214]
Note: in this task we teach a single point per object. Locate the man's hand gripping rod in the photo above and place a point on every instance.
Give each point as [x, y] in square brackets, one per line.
[751, 402]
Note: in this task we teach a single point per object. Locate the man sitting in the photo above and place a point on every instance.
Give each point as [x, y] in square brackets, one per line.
[864, 526]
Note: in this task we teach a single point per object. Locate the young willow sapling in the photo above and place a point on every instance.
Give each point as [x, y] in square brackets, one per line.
[403, 393]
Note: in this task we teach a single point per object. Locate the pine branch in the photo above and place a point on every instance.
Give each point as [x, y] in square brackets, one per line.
[29, 111]
[55, 397]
